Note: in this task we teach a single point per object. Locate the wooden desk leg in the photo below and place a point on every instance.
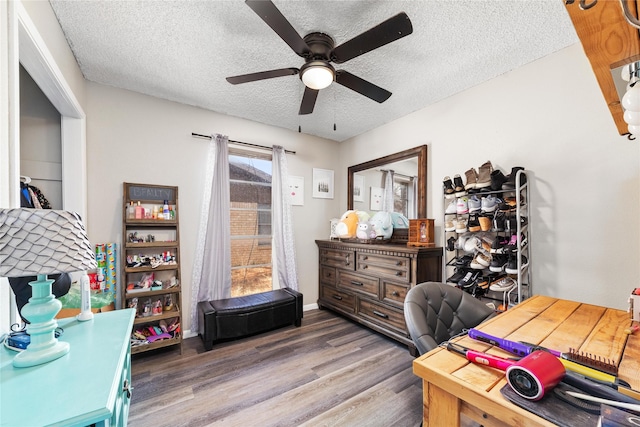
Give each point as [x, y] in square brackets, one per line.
[439, 407]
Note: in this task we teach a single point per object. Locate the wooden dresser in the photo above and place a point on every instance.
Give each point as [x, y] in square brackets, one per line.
[368, 282]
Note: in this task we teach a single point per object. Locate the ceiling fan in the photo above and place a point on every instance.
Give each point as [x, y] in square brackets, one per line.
[318, 51]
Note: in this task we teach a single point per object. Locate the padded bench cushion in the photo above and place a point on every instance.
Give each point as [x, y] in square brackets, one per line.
[241, 316]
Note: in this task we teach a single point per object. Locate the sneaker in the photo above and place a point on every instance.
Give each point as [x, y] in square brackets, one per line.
[463, 261]
[457, 275]
[474, 224]
[510, 183]
[469, 279]
[472, 245]
[498, 245]
[485, 223]
[451, 244]
[497, 179]
[449, 226]
[472, 179]
[462, 239]
[489, 203]
[461, 206]
[481, 261]
[461, 226]
[498, 222]
[458, 186]
[474, 204]
[449, 192]
[503, 284]
[451, 208]
[498, 263]
[512, 265]
[484, 175]
[513, 243]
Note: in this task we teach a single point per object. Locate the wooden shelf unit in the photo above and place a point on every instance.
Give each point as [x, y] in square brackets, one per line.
[150, 196]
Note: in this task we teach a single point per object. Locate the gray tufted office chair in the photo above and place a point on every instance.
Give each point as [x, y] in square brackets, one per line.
[435, 312]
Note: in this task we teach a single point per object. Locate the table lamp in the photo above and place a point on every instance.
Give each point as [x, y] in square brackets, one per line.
[38, 242]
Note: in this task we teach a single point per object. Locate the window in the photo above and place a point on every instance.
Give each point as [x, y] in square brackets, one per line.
[401, 195]
[250, 193]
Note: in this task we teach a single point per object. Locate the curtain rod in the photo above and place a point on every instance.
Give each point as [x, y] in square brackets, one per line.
[264, 147]
[397, 173]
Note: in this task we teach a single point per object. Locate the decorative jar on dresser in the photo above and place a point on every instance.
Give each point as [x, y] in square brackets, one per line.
[368, 282]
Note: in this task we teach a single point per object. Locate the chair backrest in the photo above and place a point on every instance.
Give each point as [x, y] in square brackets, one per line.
[435, 312]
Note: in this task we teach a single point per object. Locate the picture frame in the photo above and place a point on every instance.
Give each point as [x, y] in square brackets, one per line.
[358, 188]
[296, 190]
[322, 183]
[377, 195]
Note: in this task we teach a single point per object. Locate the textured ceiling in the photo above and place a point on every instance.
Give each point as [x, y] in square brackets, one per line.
[183, 50]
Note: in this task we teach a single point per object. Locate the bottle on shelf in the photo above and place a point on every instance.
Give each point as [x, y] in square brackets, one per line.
[139, 213]
[165, 210]
[131, 211]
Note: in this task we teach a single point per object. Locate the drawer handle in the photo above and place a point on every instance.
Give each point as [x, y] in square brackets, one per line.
[338, 297]
[365, 257]
[399, 263]
[395, 294]
[364, 267]
[127, 388]
[379, 314]
[347, 263]
[354, 283]
[398, 273]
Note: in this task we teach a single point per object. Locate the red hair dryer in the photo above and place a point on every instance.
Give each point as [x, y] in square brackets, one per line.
[529, 376]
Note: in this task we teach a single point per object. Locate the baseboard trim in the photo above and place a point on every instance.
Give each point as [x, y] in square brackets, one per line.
[308, 307]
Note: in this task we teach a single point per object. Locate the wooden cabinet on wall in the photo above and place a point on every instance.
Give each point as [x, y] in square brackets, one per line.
[368, 282]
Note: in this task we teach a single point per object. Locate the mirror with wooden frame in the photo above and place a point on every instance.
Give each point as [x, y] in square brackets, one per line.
[366, 180]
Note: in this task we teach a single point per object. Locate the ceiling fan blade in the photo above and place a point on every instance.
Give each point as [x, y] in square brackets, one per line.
[362, 86]
[262, 75]
[278, 23]
[308, 101]
[390, 30]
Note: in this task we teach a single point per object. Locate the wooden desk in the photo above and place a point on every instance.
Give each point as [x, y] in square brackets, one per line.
[453, 386]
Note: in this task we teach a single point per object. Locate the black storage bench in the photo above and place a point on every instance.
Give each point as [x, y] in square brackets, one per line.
[247, 315]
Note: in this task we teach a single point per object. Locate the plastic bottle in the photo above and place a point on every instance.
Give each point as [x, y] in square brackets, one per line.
[139, 211]
[131, 211]
[165, 210]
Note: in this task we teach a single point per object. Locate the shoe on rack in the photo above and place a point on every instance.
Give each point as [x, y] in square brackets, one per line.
[472, 179]
[462, 206]
[513, 243]
[481, 261]
[498, 263]
[484, 175]
[449, 192]
[451, 208]
[451, 244]
[510, 183]
[457, 275]
[461, 226]
[462, 239]
[498, 245]
[472, 245]
[512, 265]
[498, 222]
[469, 279]
[458, 186]
[497, 179]
[489, 203]
[449, 225]
[502, 284]
[474, 223]
[474, 204]
[485, 223]
[463, 261]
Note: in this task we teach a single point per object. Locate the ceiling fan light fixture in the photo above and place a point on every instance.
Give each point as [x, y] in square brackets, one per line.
[631, 99]
[317, 74]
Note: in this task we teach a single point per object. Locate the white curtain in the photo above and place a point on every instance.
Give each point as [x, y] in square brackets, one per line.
[413, 197]
[282, 222]
[212, 267]
[387, 199]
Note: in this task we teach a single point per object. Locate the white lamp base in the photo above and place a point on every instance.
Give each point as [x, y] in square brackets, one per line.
[41, 311]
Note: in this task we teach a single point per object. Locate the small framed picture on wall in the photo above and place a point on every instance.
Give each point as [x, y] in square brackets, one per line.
[358, 188]
[296, 190]
[376, 198]
[322, 183]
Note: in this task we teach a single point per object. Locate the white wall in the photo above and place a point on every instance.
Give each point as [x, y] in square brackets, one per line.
[550, 117]
[140, 139]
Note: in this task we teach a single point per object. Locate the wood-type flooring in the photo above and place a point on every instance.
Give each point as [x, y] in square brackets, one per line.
[328, 372]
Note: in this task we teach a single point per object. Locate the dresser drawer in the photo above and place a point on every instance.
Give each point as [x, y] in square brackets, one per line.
[362, 284]
[338, 258]
[328, 275]
[383, 315]
[396, 268]
[394, 293]
[336, 297]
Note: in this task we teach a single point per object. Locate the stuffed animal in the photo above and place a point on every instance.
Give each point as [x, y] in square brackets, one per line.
[365, 231]
[399, 221]
[382, 224]
[346, 228]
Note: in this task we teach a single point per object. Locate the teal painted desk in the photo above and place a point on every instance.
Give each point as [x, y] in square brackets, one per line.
[85, 386]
